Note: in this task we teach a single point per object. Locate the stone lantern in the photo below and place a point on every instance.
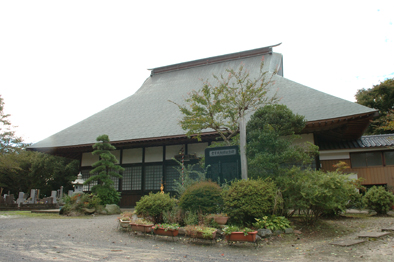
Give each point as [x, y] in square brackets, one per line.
[78, 184]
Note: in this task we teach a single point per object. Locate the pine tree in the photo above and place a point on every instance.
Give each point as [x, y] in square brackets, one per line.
[103, 170]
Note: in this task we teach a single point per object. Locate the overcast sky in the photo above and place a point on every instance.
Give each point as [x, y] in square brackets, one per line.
[62, 61]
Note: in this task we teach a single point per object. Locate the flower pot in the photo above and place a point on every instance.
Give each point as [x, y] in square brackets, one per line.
[201, 236]
[124, 223]
[239, 236]
[169, 232]
[221, 220]
[141, 228]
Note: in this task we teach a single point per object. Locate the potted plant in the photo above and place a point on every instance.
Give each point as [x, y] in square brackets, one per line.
[125, 219]
[201, 231]
[141, 225]
[220, 218]
[166, 229]
[234, 233]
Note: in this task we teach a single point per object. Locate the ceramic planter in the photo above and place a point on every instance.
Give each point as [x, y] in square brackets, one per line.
[169, 232]
[141, 228]
[239, 236]
[200, 235]
[124, 223]
[221, 220]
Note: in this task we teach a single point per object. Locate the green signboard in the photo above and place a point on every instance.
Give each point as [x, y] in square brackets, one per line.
[223, 163]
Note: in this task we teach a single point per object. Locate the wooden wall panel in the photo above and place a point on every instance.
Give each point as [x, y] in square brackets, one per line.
[371, 175]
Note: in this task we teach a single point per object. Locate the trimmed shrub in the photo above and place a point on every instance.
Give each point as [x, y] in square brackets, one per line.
[204, 197]
[246, 200]
[77, 204]
[378, 199]
[107, 194]
[152, 206]
[314, 193]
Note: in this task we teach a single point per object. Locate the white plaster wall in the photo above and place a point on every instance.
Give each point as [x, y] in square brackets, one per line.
[197, 148]
[88, 159]
[171, 151]
[132, 156]
[116, 153]
[154, 154]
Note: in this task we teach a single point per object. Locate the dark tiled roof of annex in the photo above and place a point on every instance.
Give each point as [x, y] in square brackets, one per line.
[149, 114]
[370, 141]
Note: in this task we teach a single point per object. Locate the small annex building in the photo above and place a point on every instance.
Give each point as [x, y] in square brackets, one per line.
[370, 157]
[144, 126]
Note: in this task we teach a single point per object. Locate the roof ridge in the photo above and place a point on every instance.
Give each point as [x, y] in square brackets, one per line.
[213, 60]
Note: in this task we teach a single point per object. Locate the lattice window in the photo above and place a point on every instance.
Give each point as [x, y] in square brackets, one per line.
[153, 177]
[132, 178]
[116, 182]
[171, 175]
[85, 176]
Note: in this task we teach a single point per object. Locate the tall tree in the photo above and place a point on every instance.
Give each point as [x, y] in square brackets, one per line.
[9, 142]
[25, 170]
[222, 106]
[219, 106]
[103, 171]
[272, 144]
[380, 97]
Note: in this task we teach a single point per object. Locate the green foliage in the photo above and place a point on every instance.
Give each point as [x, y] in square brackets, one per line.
[207, 232]
[204, 197]
[245, 200]
[153, 205]
[76, 204]
[230, 229]
[313, 192]
[271, 142]
[9, 142]
[380, 97]
[191, 218]
[219, 106]
[107, 194]
[188, 177]
[272, 222]
[166, 227]
[26, 170]
[103, 171]
[379, 199]
[174, 216]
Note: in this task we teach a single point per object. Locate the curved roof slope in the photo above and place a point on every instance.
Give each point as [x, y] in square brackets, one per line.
[149, 114]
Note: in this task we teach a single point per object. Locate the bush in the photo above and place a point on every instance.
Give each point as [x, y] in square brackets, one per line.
[79, 202]
[204, 197]
[246, 200]
[314, 193]
[272, 222]
[378, 199]
[107, 194]
[152, 206]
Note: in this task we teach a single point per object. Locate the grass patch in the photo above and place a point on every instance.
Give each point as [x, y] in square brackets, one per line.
[24, 214]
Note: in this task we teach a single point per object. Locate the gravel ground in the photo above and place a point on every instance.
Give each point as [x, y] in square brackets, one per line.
[98, 239]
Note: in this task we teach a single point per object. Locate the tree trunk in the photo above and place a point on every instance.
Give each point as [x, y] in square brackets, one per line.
[242, 143]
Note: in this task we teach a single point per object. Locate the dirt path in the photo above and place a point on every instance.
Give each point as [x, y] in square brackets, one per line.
[97, 239]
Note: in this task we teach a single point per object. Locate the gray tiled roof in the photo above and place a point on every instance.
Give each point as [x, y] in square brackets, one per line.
[149, 114]
[371, 141]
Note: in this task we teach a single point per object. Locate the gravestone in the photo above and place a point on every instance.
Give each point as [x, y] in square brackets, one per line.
[54, 195]
[223, 163]
[21, 198]
[33, 196]
[70, 192]
[61, 192]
